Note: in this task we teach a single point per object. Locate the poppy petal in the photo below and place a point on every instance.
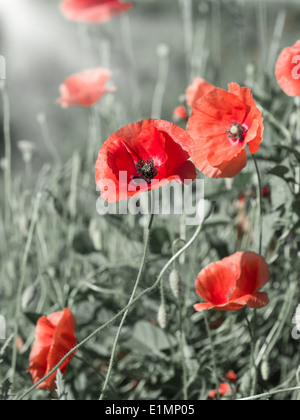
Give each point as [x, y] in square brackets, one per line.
[232, 283]
[93, 11]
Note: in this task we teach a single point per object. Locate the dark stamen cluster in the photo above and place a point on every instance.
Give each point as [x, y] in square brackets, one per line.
[147, 170]
[236, 132]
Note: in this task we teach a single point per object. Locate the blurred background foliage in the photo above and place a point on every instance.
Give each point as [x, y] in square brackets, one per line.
[88, 262]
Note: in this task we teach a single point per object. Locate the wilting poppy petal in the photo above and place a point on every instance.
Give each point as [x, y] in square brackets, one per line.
[196, 90]
[93, 11]
[221, 125]
[85, 88]
[54, 338]
[233, 283]
[288, 70]
[142, 156]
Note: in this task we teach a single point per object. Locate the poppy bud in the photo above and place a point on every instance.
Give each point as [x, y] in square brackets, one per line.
[175, 283]
[27, 149]
[265, 370]
[297, 318]
[162, 316]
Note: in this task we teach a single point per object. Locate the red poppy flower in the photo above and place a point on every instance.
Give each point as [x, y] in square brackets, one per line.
[231, 376]
[54, 338]
[221, 125]
[288, 70]
[232, 283]
[224, 388]
[85, 88]
[180, 113]
[143, 156]
[93, 11]
[196, 90]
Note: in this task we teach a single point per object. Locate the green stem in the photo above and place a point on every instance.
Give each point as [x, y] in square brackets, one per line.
[98, 373]
[253, 339]
[269, 394]
[259, 195]
[213, 354]
[115, 345]
[182, 342]
[22, 281]
[253, 367]
[7, 142]
[113, 319]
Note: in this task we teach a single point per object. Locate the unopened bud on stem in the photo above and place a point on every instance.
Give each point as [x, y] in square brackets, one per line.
[162, 316]
[175, 283]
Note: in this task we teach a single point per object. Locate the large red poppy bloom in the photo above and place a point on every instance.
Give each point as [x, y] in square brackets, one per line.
[143, 156]
[93, 11]
[54, 338]
[221, 125]
[196, 90]
[288, 70]
[85, 88]
[233, 283]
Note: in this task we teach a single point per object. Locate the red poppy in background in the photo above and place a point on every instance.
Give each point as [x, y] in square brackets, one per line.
[54, 338]
[232, 283]
[143, 156]
[231, 376]
[180, 114]
[221, 125]
[288, 70]
[85, 88]
[224, 388]
[196, 90]
[93, 11]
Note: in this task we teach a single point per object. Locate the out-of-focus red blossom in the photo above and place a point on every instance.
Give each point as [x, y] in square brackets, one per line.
[241, 201]
[134, 384]
[222, 124]
[224, 388]
[231, 376]
[143, 156]
[54, 338]
[266, 192]
[85, 88]
[288, 70]
[196, 90]
[180, 114]
[93, 11]
[232, 283]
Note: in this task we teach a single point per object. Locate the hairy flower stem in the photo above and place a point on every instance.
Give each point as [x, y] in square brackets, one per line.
[253, 368]
[253, 329]
[182, 354]
[7, 142]
[120, 313]
[115, 345]
[213, 354]
[269, 394]
[34, 220]
[259, 197]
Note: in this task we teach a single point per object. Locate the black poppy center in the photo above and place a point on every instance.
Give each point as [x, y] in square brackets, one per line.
[236, 132]
[146, 170]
